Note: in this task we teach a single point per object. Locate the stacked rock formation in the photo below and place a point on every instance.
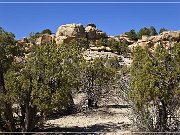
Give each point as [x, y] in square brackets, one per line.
[93, 33]
[68, 32]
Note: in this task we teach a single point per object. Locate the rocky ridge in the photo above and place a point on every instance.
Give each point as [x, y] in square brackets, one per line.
[68, 32]
[166, 38]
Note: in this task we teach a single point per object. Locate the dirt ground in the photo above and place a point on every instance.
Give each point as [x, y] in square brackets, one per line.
[109, 119]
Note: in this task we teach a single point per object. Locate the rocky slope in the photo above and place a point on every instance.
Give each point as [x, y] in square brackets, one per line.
[68, 32]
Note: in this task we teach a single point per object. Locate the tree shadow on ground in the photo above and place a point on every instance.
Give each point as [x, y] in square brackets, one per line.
[93, 129]
[118, 106]
[59, 114]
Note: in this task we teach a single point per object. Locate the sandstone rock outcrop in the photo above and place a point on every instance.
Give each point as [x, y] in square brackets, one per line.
[166, 38]
[71, 30]
[93, 33]
[67, 32]
[46, 38]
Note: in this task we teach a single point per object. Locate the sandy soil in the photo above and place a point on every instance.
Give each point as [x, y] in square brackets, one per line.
[111, 119]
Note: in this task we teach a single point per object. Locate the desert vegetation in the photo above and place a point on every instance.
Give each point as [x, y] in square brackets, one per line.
[38, 81]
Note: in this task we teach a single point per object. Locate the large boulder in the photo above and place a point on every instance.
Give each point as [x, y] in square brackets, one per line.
[93, 33]
[71, 30]
[68, 32]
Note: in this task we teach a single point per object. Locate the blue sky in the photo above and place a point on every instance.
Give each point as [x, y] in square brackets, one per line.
[114, 19]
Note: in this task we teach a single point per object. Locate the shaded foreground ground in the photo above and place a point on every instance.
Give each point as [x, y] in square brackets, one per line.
[108, 119]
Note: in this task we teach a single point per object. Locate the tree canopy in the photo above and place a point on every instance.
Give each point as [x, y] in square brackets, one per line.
[46, 31]
[147, 31]
[132, 34]
[162, 30]
[37, 84]
[155, 86]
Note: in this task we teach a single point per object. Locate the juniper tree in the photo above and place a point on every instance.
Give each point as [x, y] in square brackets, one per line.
[8, 51]
[162, 30]
[97, 80]
[120, 47]
[46, 31]
[152, 31]
[155, 88]
[38, 85]
[143, 31]
[132, 34]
